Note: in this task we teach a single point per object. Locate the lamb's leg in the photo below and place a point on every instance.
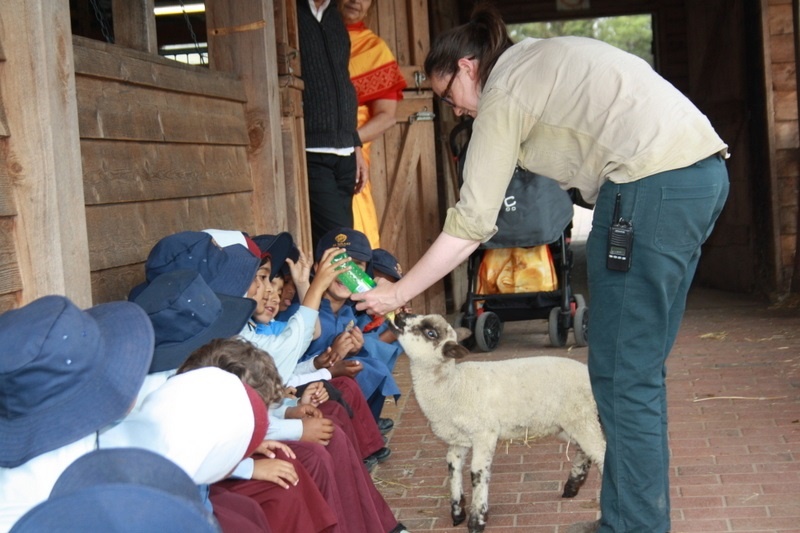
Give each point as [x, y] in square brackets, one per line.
[591, 448]
[455, 466]
[577, 475]
[483, 447]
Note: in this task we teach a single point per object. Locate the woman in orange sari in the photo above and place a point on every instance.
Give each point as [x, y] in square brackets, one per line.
[379, 85]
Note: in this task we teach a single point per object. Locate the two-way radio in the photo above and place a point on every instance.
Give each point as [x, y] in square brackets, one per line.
[620, 241]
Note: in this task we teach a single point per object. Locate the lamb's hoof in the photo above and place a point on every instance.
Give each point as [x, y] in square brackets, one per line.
[477, 524]
[584, 527]
[457, 512]
[570, 490]
[572, 486]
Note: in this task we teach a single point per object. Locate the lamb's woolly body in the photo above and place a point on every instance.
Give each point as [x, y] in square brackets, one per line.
[471, 405]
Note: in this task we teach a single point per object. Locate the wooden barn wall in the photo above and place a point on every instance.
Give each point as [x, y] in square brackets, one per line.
[163, 148]
[10, 279]
[782, 93]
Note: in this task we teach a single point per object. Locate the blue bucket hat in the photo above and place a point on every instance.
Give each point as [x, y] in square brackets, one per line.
[123, 489]
[279, 247]
[186, 314]
[353, 241]
[386, 263]
[229, 270]
[66, 373]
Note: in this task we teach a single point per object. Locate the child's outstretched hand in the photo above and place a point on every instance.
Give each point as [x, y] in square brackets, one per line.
[300, 269]
[269, 447]
[315, 394]
[346, 367]
[275, 470]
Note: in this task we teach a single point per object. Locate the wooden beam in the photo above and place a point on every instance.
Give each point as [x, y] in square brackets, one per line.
[50, 226]
[241, 39]
[135, 25]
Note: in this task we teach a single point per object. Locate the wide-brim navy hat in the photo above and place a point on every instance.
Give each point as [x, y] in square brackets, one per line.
[353, 241]
[132, 466]
[227, 270]
[386, 263]
[66, 373]
[279, 247]
[122, 489]
[186, 314]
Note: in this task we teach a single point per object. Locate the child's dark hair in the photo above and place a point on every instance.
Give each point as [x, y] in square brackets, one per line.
[483, 38]
[240, 357]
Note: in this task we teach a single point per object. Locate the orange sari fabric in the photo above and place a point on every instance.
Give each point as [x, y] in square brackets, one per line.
[376, 76]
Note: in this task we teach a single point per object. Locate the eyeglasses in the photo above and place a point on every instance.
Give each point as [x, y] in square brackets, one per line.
[445, 94]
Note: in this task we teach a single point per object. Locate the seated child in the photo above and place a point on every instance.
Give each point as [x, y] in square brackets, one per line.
[65, 374]
[360, 506]
[338, 323]
[206, 421]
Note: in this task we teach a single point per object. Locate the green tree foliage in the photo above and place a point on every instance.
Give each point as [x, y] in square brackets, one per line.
[633, 33]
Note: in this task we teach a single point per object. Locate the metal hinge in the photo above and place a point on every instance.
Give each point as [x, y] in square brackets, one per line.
[423, 115]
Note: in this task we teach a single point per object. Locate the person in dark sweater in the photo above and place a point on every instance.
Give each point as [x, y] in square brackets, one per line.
[336, 169]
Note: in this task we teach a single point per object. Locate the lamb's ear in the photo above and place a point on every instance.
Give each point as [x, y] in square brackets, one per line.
[463, 333]
[454, 350]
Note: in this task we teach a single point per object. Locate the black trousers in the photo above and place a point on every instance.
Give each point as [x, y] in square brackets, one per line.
[331, 181]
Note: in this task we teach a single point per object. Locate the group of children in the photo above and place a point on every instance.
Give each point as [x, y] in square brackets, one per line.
[236, 360]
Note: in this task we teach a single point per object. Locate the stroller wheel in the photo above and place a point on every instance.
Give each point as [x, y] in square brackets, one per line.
[581, 322]
[557, 330]
[488, 329]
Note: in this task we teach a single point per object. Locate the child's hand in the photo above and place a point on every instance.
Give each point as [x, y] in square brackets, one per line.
[319, 430]
[325, 359]
[358, 339]
[346, 367]
[275, 470]
[302, 411]
[315, 394]
[269, 447]
[327, 271]
[289, 392]
[300, 270]
[343, 345]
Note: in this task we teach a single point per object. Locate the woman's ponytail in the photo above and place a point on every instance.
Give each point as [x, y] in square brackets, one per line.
[483, 38]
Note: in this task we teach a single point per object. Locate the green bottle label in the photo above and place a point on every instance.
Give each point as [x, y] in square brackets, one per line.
[355, 279]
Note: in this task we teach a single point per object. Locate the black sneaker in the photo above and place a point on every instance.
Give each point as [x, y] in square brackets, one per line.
[400, 528]
[370, 462]
[381, 455]
[385, 425]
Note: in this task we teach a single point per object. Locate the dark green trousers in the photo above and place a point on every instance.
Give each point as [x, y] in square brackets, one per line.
[634, 319]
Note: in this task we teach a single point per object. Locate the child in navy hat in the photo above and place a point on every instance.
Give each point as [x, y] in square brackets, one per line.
[64, 375]
[340, 331]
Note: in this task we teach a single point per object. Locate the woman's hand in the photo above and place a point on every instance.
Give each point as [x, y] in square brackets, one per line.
[380, 300]
[362, 171]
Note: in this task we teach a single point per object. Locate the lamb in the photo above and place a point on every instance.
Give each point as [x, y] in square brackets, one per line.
[473, 404]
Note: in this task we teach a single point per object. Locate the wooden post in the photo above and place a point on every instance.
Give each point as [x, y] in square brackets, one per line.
[135, 24]
[44, 161]
[795, 282]
[241, 39]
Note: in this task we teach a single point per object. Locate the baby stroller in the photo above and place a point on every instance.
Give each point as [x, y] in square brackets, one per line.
[536, 212]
